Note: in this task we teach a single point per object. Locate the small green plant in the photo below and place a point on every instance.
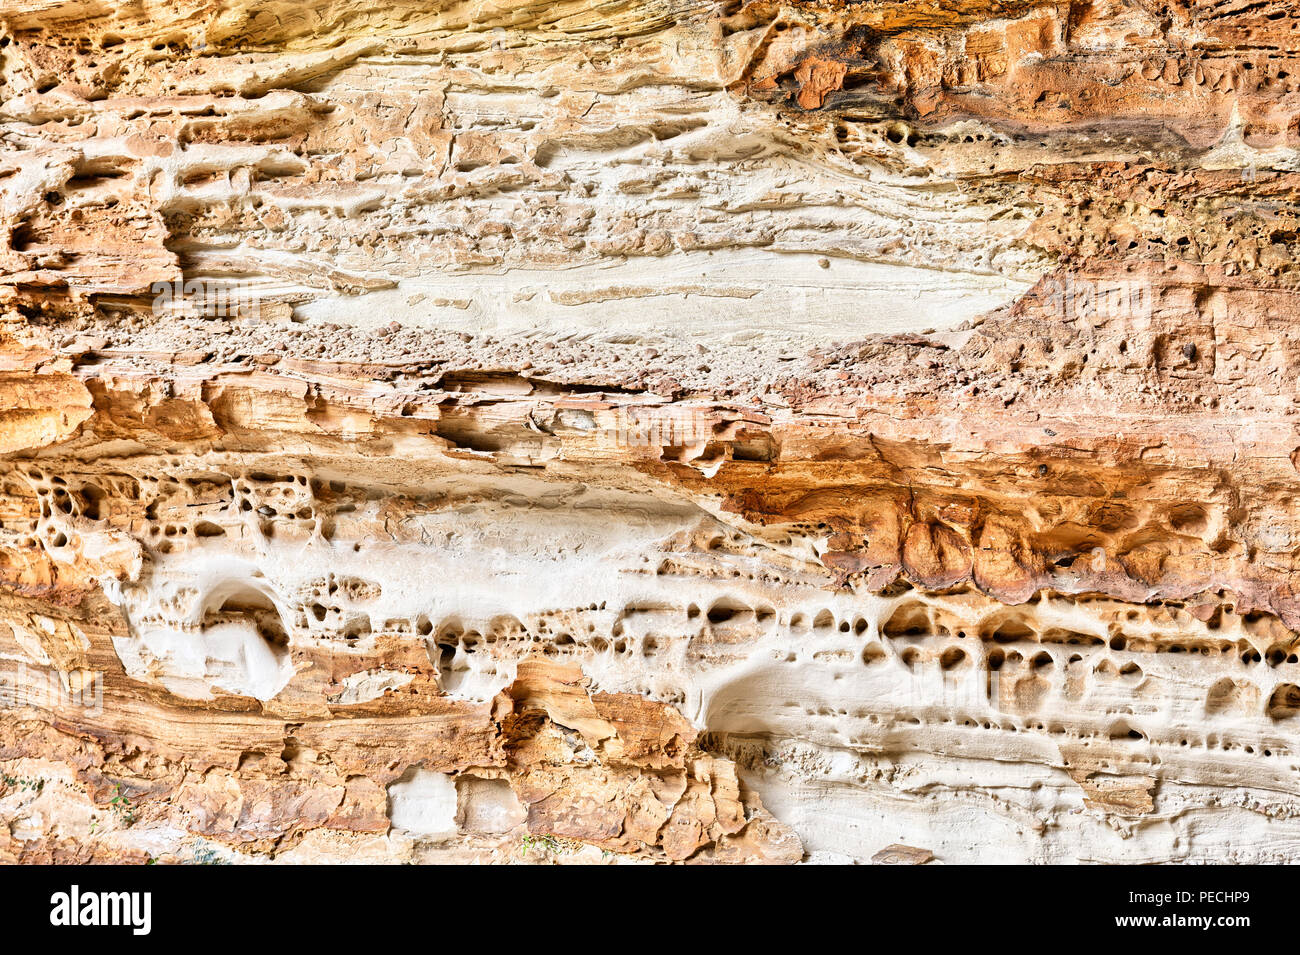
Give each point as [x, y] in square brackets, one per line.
[548, 843]
[121, 806]
[28, 783]
[206, 855]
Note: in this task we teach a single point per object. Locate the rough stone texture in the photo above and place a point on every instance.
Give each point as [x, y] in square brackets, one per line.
[649, 430]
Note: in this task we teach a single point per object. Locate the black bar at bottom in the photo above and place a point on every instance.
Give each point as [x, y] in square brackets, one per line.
[340, 905]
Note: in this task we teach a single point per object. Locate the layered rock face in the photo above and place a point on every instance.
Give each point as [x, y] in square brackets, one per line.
[650, 430]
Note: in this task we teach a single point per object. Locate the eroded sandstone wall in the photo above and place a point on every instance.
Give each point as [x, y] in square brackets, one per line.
[649, 430]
